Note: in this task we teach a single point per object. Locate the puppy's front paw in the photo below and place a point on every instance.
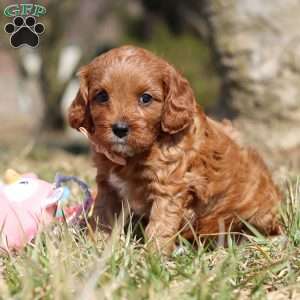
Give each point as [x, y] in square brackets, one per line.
[158, 244]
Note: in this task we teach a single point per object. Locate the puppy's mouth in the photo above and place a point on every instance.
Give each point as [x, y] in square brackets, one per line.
[118, 141]
[116, 155]
[121, 147]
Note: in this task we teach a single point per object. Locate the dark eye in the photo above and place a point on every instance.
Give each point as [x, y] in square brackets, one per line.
[101, 97]
[145, 99]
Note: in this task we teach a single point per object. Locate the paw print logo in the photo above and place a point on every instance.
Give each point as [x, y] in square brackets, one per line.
[24, 31]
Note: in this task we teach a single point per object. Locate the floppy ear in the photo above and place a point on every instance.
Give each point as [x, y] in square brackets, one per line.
[79, 112]
[179, 104]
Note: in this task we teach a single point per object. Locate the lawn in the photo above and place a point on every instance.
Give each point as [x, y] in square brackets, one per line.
[68, 263]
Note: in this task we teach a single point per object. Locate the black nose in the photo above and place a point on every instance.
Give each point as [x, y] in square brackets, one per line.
[120, 129]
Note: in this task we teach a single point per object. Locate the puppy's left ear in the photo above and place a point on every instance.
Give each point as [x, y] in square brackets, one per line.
[179, 104]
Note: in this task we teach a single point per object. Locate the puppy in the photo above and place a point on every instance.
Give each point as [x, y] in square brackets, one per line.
[155, 149]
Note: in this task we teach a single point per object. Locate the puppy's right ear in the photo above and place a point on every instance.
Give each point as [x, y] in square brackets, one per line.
[79, 112]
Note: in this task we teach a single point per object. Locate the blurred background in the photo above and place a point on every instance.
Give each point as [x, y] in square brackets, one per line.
[242, 58]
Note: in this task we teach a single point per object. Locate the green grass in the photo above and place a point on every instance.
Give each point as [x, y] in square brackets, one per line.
[66, 263]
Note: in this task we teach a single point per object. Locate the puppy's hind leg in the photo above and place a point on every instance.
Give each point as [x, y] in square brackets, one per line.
[268, 223]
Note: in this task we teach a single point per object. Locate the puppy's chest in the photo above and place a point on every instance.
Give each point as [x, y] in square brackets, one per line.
[132, 190]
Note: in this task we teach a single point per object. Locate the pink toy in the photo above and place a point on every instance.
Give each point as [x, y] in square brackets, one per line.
[28, 203]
